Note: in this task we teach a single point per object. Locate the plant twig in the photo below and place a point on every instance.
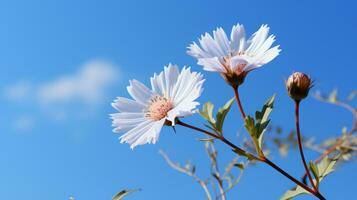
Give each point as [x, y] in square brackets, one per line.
[177, 167]
[262, 159]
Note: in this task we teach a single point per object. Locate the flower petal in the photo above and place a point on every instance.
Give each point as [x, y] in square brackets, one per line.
[165, 81]
[127, 105]
[222, 40]
[238, 39]
[146, 132]
[139, 92]
[212, 64]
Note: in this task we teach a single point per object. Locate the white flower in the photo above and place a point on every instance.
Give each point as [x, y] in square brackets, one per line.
[235, 56]
[172, 95]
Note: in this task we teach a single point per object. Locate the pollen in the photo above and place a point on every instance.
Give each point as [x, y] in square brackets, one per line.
[158, 108]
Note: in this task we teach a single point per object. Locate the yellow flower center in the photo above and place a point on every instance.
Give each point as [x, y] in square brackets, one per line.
[158, 108]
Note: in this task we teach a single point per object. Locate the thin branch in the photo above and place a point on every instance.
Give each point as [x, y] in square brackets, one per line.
[178, 168]
[237, 180]
[212, 154]
[262, 159]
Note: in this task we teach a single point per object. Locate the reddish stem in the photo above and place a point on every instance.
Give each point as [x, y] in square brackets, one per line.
[297, 120]
[236, 95]
[263, 159]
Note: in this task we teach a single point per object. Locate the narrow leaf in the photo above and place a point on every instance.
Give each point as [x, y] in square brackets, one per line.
[293, 193]
[222, 113]
[315, 171]
[239, 165]
[120, 195]
[326, 166]
[207, 111]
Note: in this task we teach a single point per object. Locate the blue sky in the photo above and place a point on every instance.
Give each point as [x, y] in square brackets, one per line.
[63, 62]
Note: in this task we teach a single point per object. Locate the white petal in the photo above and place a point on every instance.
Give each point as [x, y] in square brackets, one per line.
[139, 92]
[127, 105]
[212, 64]
[195, 51]
[184, 109]
[132, 135]
[268, 56]
[146, 132]
[165, 81]
[221, 38]
[238, 39]
[187, 90]
[257, 39]
[151, 136]
[210, 46]
[237, 61]
[186, 83]
[265, 46]
[126, 121]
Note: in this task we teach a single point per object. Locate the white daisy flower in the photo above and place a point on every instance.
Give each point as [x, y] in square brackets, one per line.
[172, 95]
[234, 57]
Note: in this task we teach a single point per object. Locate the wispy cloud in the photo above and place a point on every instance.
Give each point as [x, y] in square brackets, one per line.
[23, 123]
[18, 91]
[87, 85]
[65, 95]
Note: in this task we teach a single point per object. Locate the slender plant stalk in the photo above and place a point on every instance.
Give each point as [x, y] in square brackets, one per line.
[297, 121]
[236, 95]
[342, 139]
[221, 190]
[267, 161]
[187, 172]
[262, 159]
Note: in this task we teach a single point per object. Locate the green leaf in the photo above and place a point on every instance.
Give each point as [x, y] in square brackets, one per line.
[245, 154]
[320, 170]
[239, 165]
[222, 113]
[207, 111]
[250, 126]
[120, 195]
[333, 96]
[256, 127]
[262, 118]
[315, 171]
[216, 124]
[293, 193]
[209, 139]
[326, 166]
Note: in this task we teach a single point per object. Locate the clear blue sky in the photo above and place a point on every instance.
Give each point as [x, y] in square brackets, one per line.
[52, 149]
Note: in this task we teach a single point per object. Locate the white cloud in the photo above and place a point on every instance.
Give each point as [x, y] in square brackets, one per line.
[87, 85]
[23, 123]
[18, 91]
[75, 94]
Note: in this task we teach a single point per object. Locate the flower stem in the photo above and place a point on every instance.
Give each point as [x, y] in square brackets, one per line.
[220, 137]
[307, 188]
[236, 95]
[297, 108]
[262, 158]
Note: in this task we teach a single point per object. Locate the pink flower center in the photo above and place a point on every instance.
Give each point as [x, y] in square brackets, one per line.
[158, 108]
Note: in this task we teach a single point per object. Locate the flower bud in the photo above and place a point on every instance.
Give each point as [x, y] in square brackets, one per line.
[298, 85]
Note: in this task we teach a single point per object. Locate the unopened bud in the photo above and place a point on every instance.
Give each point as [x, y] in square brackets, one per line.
[298, 85]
